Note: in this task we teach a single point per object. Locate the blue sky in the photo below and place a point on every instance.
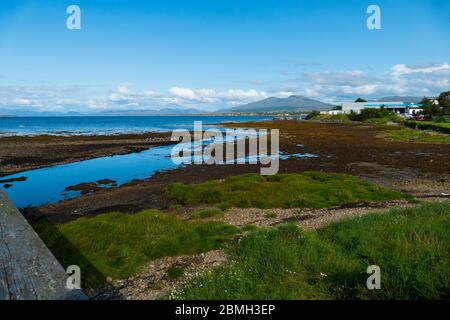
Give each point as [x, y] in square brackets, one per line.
[217, 53]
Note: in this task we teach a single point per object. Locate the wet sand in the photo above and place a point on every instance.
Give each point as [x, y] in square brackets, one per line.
[421, 169]
[20, 153]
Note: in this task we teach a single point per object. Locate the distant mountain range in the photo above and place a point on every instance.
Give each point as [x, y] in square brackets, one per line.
[300, 103]
[290, 104]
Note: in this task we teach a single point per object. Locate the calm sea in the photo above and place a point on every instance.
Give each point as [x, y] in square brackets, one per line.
[106, 125]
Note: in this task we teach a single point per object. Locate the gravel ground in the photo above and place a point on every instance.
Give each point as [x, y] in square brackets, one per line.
[154, 282]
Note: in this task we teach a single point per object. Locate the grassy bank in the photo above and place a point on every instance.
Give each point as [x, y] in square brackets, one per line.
[407, 131]
[442, 127]
[410, 246]
[117, 245]
[414, 135]
[307, 190]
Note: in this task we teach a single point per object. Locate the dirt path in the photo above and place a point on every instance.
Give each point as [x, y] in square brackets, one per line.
[309, 219]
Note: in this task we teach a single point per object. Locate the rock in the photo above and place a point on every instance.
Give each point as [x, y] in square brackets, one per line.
[106, 182]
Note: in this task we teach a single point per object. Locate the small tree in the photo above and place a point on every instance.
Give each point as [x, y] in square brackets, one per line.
[430, 108]
[444, 102]
[312, 115]
[371, 113]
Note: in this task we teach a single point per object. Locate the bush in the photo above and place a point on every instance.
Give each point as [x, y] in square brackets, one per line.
[312, 115]
[175, 272]
[372, 113]
[442, 119]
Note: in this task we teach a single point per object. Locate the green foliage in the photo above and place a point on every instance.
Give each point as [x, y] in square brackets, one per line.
[405, 134]
[410, 246]
[441, 108]
[117, 245]
[175, 272]
[442, 119]
[207, 213]
[312, 115]
[333, 117]
[442, 127]
[309, 189]
[430, 109]
[175, 207]
[444, 102]
[369, 114]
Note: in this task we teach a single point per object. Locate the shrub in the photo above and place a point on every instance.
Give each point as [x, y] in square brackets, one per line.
[175, 272]
[372, 113]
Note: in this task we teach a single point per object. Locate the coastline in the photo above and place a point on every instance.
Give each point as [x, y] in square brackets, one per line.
[355, 149]
[22, 153]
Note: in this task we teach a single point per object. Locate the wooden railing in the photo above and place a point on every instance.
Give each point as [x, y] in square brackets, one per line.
[28, 270]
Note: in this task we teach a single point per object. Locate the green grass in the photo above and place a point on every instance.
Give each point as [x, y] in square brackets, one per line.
[207, 213]
[441, 127]
[117, 245]
[411, 246]
[309, 189]
[175, 272]
[406, 134]
[433, 123]
[333, 117]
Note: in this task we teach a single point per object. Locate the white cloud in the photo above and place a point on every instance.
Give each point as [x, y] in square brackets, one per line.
[22, 102]
[210, 95]
[400, 70]
[122, 89]
[328, 86]
[184, 93]
[400, 79]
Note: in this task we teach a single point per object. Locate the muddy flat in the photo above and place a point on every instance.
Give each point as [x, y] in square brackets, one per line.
[20, 153]
[422, 169]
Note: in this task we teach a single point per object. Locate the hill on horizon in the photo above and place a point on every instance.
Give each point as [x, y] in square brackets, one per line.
[292, 103]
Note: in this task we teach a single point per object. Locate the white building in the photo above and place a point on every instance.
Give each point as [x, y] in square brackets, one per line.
[399, 107]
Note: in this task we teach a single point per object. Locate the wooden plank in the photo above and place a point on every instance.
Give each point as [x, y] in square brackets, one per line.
[28, 270]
